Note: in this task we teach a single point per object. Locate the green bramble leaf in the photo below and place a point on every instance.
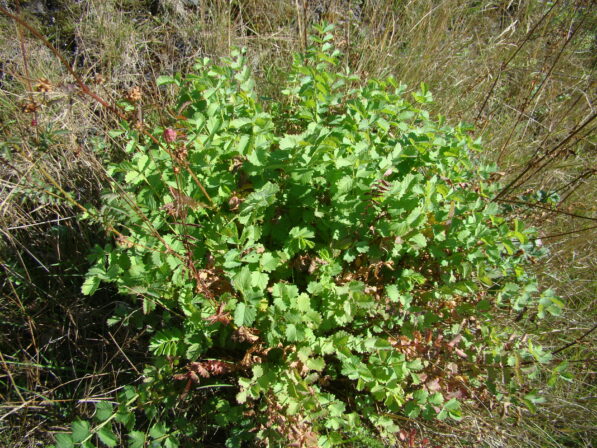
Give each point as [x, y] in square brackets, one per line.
[80, 430]
[244, 315]
[64, 440]
[107, 437]
[136, 439]
[103, 410]
[90, 285]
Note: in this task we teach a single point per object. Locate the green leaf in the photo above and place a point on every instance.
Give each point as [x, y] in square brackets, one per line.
[419, 240]
[90, 285]
[136, 439]
[125, 417]
[158, 430]
[317, 364]
[64, 440]
[268, 262]
[171, 442]
[80, 430]
[259, 280]
[291, 333]
[257, 201]
[166, 342]
[436, 399]
[303, 303]
[103, 410]
[163, 79]
[242, 281]
[244, 315]
[243, 144]
[107, 437]
[392, 292]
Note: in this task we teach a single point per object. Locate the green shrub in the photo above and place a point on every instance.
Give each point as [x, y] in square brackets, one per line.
[312, 271]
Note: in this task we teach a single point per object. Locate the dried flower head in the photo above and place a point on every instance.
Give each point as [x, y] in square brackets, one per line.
[30, 107]
[234, 202]
[134, 95]
[43, 85]
[123, 241]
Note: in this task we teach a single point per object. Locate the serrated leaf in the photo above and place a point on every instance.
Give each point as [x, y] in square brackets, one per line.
[90, 285]
[257, 201]
[344, 185]
[107, 437]
[392, 292]
[148, 305]
[436, 399]
[115, 132]
[268, 262]
[158, 430]
[317, 364]
[259, 280]
[80, 430]
[242, 281]
[125, 417]
[64, 440]
[303, 303]
[421, 396]
[193, 351]
[133, 177]
[238, 123]
[136, 439]
[103, 410]
[241, 397]
[244, 315]
[419, 240]
[291, 332]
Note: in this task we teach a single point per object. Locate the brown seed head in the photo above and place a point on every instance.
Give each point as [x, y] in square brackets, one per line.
[134, 94]
[30, 107]
[43, 85]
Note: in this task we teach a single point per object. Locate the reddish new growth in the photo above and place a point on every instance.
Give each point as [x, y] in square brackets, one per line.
[204, 369]
[170, 135]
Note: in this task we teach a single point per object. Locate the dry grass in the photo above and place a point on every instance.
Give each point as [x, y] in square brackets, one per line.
[523, 71]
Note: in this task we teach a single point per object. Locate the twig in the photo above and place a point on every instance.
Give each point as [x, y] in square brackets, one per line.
[530, 204]
[123, 354]
[531, 164]
[11, 378]
[555, 235]
[576, 341]
[24, 226]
